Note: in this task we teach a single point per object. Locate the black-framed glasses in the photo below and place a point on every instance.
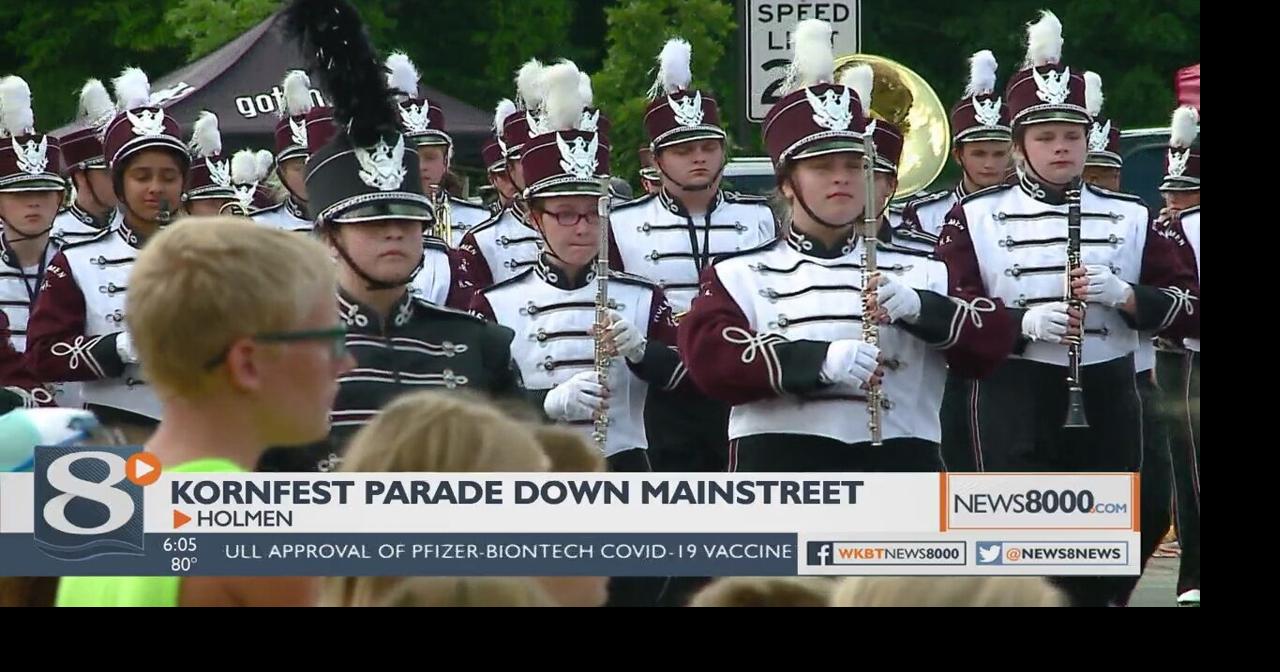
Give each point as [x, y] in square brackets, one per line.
[336, 335]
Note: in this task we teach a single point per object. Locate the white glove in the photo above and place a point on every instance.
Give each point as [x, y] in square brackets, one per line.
[124, 348]
[626, 337]
[898, 300]
[576, 399]
[1046, 322]
[1105, 287]
[850, 362]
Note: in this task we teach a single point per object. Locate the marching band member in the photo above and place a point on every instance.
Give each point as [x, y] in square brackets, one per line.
[778, 331]
[555, 307]
[1179, 367]
[290, 214]
[78, 330]
[507, 244]
[94, 208]
[423, 124]
[1014, 245]
[209, 188]
[980, 136]
[31, 189]
[496, 170]
[673, 234]
[366, 199]
[1102, 168]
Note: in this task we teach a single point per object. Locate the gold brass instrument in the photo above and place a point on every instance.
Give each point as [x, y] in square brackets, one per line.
[870, 328]
[443, 211]
[906, 99]
[600, 434]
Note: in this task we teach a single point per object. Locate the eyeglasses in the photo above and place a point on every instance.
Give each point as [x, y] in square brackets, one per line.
[571, 218]
[337, 337]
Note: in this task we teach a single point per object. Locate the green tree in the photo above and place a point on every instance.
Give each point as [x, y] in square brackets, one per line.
[636, 32]
[206, 25]
[57, 44]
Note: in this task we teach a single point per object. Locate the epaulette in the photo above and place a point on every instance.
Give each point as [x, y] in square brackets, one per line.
[488, 222]
[739, 197]
[929, 198]
[269, 208]
[511, 280]
[451, 312]
[632, 279]
[1114, 194]
[902, 249]
[762, 247]
[982, 193]
[93, 239]
[633, 202]
[435, 243]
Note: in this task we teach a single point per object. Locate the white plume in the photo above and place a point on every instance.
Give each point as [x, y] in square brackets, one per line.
[674, 70]
[16, 117]
[584, 88]
[206, 139]
[505, 109]
[297, 94]
[96, 106]
[813, 61]
[564, 101]
[1093, 97]
[529, 87]
[244, 167]
[982, 74]
[1186, 126]
[860, 78]
[265, 161]
[402, 75]
[133, 90]
[1044, 40]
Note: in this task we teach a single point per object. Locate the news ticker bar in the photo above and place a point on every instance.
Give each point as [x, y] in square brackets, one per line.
[577, 554]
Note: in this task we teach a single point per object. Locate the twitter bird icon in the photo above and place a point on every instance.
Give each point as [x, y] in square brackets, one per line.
[989, 553]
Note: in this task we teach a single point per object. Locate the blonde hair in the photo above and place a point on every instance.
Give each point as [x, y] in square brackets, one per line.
[568, 450]
[203, 282]
[947, 591]
[432, 432]
[776, 591]
[467, 592]
[456, 432]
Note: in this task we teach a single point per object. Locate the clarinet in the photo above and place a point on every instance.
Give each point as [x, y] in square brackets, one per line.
[1075, 393]
[870, 235]
[600, 434]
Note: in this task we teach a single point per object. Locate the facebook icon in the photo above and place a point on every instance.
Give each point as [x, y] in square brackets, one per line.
[820, 553]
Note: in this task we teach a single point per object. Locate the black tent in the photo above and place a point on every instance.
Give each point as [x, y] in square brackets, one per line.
[241, 84]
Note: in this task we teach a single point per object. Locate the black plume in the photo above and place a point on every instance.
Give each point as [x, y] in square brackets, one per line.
[339, 54]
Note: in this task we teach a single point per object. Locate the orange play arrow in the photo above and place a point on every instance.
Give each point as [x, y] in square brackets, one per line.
[180, 519]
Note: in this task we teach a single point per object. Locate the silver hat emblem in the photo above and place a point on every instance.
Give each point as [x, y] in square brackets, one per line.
[382, 166]
[831, 112]
[688, 110]
[579, 158]
[33, 157]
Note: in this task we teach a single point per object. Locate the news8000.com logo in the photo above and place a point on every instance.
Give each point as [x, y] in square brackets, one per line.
[86, 505]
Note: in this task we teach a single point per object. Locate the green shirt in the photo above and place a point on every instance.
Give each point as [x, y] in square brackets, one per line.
[135, 591]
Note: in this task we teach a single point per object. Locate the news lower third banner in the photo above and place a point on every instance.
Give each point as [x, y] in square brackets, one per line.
[117, 512]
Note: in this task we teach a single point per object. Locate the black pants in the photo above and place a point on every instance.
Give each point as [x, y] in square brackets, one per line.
[802, 452]
[1180, 380]
[1157, 473]
[958, 450]
[687, 431]
[1018, 427]
[633, 591]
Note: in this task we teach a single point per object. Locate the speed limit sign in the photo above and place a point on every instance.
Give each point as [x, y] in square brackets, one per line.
[768, 26]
